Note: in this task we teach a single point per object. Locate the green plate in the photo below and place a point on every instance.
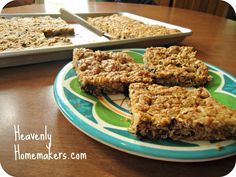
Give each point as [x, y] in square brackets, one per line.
[106, 118]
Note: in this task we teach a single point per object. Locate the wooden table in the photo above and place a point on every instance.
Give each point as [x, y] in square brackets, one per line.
[26, 99]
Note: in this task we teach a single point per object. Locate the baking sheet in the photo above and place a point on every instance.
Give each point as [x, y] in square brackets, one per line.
[184, 31]
[85, 38]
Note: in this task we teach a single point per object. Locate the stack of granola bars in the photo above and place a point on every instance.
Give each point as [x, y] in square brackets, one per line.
[162, 104]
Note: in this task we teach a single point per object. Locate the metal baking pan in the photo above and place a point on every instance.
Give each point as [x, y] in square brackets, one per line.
[184, 31]
[86, 38]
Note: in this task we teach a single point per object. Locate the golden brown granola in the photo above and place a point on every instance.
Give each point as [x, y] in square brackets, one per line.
[179, 113]
[176, 65]
[32, 32]
[122, 27]
[104, 71]
[45, 24]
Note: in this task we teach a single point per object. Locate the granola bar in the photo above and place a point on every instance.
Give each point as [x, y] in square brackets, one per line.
[161, 112]
[122, 27]
[176, 66]
[32, 32]
[108, 72]
[45, 24]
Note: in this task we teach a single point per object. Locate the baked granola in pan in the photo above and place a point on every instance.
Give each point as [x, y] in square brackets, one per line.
[108, 72]
[176, 65]
[33, 32]
[161, 112]
[122, 27]
[48, 25]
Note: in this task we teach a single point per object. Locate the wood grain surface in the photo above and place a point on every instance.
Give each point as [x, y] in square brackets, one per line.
[26, 99]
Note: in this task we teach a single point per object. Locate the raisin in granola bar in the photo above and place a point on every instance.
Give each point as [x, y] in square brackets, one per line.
[176, 66]
[109, 72]
[161, 112]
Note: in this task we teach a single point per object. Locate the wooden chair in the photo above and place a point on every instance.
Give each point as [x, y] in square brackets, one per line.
[24, 2]
[215, 7]
[19, 3]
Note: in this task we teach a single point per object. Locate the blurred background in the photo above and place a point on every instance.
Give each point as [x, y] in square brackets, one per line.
[214, 7]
